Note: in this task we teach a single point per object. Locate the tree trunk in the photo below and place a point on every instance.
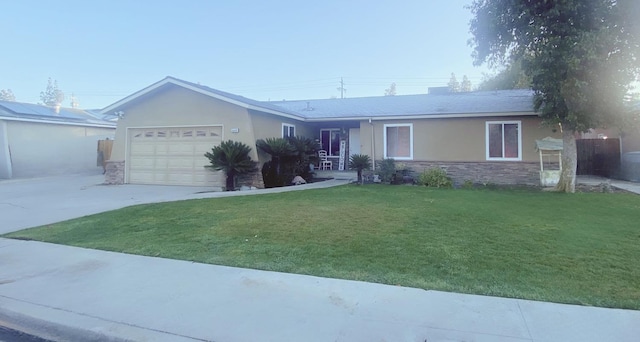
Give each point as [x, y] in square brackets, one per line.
[567, 182]
[231, 186]
[359, 176]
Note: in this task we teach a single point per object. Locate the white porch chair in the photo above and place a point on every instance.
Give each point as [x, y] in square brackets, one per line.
[324, 161]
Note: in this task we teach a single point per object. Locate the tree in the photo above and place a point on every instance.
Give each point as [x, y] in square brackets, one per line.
[233, 159]
[581, 56]
[359, 162]
[7, 95]
[510, 77]
[391, 91]
[52, 96]
[454, 85]
[466, 84]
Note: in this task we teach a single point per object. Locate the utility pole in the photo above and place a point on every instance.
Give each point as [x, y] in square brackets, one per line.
[341, 88]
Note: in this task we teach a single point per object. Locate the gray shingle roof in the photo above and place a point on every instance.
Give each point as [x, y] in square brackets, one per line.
[36, 112]
[255, 103]
[471, 103]
[482, 103]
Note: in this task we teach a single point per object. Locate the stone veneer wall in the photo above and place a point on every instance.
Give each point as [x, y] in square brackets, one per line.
[503, 172]
[251, 180]
[114, 174]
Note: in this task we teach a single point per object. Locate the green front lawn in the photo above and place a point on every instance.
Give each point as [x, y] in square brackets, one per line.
[581, 248]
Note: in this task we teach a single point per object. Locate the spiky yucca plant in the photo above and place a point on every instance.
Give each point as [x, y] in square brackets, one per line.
[231, 157]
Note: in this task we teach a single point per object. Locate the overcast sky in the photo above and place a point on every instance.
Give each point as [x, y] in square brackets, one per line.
[103, 51]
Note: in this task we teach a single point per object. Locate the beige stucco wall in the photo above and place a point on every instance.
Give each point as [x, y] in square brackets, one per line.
[270, 126]
[454, 139]
[176, 106]
[40, 149]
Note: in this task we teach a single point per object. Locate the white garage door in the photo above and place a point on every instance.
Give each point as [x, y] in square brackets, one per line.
[173, 156]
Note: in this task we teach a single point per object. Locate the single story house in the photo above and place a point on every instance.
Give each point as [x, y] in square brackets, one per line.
[165, 128]
[37, 140]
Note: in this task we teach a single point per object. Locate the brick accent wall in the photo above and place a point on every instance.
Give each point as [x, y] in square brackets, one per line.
[114, 174]
[506, 173]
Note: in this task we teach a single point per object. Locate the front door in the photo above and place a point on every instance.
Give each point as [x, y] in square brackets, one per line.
[354, 141]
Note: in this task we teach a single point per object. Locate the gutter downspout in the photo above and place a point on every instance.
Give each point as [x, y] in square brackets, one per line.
[373, 146]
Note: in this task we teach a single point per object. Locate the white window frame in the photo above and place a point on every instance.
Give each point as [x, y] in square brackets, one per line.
[486, 129]
[410, 125]
[289, 127]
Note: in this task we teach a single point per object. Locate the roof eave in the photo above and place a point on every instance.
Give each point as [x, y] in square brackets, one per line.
[421, 116]
[171, 80]
[67, 123]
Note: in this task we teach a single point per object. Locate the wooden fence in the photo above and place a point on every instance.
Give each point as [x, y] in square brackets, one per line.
[104, 152]
[598, 157]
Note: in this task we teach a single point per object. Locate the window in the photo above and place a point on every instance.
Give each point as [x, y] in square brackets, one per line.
[330, 141]
[504, 140]
[288, 130]
[398, 141]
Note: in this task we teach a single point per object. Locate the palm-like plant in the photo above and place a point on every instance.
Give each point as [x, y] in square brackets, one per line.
[233, 158]
[306, 152]
[359, 162]
[278, 149]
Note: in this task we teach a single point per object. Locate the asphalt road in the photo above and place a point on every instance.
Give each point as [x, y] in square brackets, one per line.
[9, 335]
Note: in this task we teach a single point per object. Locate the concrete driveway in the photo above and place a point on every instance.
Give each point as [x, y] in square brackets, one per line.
[26, 203]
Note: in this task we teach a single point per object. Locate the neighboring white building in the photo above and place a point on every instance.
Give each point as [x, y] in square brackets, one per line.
[40, 141]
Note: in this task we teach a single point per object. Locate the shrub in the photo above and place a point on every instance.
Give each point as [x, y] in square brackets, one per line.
[387, 170]
[359, 162]
[290, 157]
[435, 178]
[468, 184]
[233, 159]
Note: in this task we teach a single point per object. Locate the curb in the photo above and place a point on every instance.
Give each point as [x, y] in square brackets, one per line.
[60, 325]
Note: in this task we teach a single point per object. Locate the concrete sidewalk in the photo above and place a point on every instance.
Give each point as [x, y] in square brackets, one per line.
[620, 184]
[68, 293]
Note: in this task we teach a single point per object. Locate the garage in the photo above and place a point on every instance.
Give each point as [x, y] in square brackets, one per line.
[172, 155]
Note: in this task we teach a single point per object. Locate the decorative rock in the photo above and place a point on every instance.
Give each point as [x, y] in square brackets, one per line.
[298, 180]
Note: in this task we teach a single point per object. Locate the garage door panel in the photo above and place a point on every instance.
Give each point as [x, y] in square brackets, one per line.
[142, 149]
[142, 163]
[142, 177]
[181, 148]
[173, 156]
[161, 162]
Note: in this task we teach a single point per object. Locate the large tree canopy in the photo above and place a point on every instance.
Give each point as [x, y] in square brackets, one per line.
[580, 55]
